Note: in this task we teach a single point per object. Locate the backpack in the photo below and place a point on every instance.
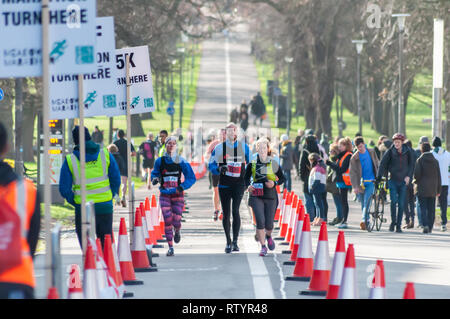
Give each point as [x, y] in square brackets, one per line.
[148, 151]
[10, 236]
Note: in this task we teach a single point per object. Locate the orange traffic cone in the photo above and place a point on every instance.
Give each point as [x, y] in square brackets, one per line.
[161, 224]
[304, 263]
[378, 289]
[300, 210]
[409, 292]
[277, 212]
[338, 267]
[282, 207]
[349, 288]
[321, 272]
[90, 284]
[297, 235]
[125, 260]
[286, 215]
[154, 214]
[138, 250]
[75, 290]
[52, 293]
[120, 285]
[148, 244]
[106, 285]
[291, 220]
[148, 219]
[110, 263]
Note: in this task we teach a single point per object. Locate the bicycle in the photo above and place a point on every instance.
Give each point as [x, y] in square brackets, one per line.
[376, 207]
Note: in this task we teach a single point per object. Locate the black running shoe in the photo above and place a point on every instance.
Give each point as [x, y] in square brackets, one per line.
[216, 215]
[170, 252]
[177, 237]
[228, 249]
[235, 246]
[270, 243]
[392, 227]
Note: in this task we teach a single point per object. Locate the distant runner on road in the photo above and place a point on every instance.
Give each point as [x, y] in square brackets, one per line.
[228, 160]
[167, 171]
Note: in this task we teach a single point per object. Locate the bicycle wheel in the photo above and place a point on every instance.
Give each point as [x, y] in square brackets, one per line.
[370, 223]
[380, 212]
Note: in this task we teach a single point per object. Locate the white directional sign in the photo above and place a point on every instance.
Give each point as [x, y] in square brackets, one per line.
[71, 37]
[141, 89]
[99, 86]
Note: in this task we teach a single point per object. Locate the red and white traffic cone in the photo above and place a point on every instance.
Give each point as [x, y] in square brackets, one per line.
[378, 289]
[52, 293]
[410, 292]
[155, 222]
[304, 264]
[291, 228]
[277, 212]
[162, 225]
[294, 224]
[121, 284]
[148, 219]
[285, 218]
[106, 285]
[90, 284]
[125, 260]
[148, 244]
[282, 207]
[75, 290]
[138, 250]
[349, 288]
[297, 236]
[338, 267]
[291, 220]
[110, 263]
[318, 285]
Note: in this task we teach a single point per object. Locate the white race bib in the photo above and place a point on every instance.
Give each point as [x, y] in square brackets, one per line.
[170, 182]
[259, 189]
[234, 169]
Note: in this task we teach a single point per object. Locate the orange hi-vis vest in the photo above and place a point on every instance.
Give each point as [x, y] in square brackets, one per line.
[346, 175]
[21, 195]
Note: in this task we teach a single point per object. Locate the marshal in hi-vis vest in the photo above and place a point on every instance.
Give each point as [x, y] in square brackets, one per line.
[346, 175]
[98, 189]
[21, 195]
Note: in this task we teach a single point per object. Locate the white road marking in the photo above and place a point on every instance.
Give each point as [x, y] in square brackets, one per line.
[190, 269]
[280, 272]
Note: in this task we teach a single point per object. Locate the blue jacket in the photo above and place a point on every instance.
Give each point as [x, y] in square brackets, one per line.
[189, 176]
[66, 182]
[213, 165]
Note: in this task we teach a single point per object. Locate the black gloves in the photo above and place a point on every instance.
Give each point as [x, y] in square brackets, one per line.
[223, 169]
[155, 181]
[328, 162]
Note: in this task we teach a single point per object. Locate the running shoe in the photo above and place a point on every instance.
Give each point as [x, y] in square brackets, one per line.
[228, 249]
[263, 251]
[270, 243]
[235, 246]
[443, 228]
[362, 225]
[177, 237]
[343, 226]
[124, 202]
[216, 215]
[170, 252]
[392, 227]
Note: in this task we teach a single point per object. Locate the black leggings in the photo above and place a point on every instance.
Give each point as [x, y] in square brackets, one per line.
[234, 193]
[264, 210]
[343, 192]
[103, 226]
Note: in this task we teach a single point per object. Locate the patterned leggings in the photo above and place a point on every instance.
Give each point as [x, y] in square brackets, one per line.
[172, 210]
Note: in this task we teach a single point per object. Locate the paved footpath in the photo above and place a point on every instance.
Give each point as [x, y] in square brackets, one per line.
[201, 269]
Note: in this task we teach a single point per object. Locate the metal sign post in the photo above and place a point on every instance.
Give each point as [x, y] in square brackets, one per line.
[45, 116]
[130, 197]
[82, 146]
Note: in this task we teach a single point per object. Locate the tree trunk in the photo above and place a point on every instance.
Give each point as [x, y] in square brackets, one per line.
[136, 125]
[31, 105]
[6, 112]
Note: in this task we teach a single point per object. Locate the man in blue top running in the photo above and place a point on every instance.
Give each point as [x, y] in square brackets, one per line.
[228, 160]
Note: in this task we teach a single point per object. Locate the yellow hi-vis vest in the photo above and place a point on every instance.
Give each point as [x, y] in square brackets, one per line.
[98, 189]
[269, 171]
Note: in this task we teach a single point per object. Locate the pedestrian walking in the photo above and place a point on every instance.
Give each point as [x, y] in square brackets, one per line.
[418, 153]
[112, 148]
[102, 183]
[342, 169]
[20, 214]
[363, 170]
[167, 172]
[410, 198]
[148, 150]
[287, 160]
[243, 117]
[121, 144]
[214, 179]
[97, 136]
[443, 158]
[309, 147]
[331, 185]
[229, 160]
[428, 185]
[234, 115]
[317, 187]
[262, 175]
[398, 161]
[297, 152]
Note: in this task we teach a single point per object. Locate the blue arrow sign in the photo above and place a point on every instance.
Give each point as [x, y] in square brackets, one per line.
[170, 111]
[1, 94]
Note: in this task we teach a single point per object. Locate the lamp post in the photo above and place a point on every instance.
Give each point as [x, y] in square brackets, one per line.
[340, 114]
[401, 17]
[289, 60]
[359, 46]
[181, 51]
[278, 48]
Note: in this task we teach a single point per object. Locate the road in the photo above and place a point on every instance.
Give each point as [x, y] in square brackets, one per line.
[201, 269]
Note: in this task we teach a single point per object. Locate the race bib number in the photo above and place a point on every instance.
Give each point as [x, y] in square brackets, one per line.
[170, 182]
[234, 169]
[258, 189]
